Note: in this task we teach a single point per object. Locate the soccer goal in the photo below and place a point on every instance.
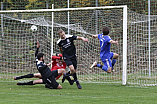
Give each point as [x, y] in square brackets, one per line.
[18, 42]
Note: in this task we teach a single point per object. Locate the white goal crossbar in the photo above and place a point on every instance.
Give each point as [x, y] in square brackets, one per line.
[64, 9]
[124, 7]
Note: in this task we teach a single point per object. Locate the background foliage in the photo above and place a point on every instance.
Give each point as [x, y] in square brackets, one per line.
[140, 6]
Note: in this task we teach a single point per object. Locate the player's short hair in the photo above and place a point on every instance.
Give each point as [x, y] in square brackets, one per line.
[60, 31]
[105, 30]
[39, 55]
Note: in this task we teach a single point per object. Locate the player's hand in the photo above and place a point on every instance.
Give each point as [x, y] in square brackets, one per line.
[116, 42]
[94, 36]
[86, 40]
[49, 63]
[38, 45]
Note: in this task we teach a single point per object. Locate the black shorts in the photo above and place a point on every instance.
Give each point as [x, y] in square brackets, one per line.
[55, 73]
[51, 80]
[71, 61]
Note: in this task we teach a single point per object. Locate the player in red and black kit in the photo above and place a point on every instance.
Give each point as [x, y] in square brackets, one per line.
[58, 63]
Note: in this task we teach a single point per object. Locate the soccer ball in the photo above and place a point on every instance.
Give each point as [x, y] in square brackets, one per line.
[34, 28]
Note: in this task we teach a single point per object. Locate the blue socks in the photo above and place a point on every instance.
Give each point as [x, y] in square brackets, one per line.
[113, 62]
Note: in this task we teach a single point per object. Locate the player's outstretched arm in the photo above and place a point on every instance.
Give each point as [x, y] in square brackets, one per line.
[60, 50]
[94, 36]
[82, 38]
[114, 42]
[49, 63]
[36, 52]
[38, 45]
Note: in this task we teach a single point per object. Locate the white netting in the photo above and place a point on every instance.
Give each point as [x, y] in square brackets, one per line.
[139, 71]
[18, 43]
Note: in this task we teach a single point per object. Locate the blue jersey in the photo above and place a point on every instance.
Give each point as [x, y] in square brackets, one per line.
[105, 46]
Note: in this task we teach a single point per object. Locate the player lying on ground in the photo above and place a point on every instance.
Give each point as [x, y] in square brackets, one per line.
[57, 63]
[105, 54]
[67, 48]
[48, 76]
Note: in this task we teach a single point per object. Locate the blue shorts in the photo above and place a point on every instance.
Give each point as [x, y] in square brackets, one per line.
[107, 60]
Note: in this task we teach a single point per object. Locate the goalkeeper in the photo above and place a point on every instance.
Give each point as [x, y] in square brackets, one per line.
[105, 54]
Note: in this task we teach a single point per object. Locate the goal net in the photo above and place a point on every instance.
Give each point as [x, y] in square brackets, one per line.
[142, 49]
[18, 42]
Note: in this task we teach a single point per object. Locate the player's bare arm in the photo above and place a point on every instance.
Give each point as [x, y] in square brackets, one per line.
[38, 45]
[61, 50]
[114, 42]
[49, 63]
[82, 38]
[94, 36]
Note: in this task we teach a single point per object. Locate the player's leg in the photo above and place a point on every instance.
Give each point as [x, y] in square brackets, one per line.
[94, 64]
[61, 71]
[74, 75]
[106, 67]
[59, 87]
[52, 82]
[37, 75]
[24, 76]
[114, 57]
[72, 70]
[38, 81]
[65, 76]
[74, 62]
[25, 83]
[58, 72]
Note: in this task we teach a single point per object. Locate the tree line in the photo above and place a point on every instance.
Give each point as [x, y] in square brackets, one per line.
[140, 6]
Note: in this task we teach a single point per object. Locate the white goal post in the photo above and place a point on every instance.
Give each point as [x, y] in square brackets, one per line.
[124, 31]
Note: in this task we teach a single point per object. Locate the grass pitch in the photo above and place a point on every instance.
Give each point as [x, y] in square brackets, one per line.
[92, 93]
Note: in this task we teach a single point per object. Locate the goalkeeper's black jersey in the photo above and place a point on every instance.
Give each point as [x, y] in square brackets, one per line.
[68, 46]
[43, 69]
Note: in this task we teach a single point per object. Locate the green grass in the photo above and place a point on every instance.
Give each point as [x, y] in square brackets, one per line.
[92, 93]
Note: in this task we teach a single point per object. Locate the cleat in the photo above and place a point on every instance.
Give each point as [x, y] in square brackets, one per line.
[113, 69]
[19, 83]
[48, 86]
[71, 82]
[78, 85]
[63, 79]
[93, 65]
[16, 78]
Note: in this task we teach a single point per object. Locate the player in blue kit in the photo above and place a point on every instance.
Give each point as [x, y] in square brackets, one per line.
[68, 50]
[105, 54]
